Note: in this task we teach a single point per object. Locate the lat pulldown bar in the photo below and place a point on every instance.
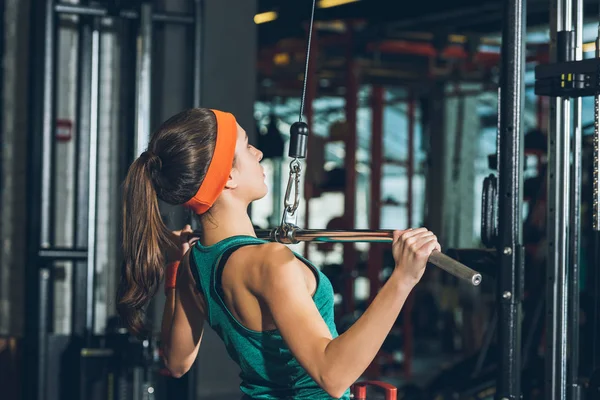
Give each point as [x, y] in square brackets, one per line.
[290, 234]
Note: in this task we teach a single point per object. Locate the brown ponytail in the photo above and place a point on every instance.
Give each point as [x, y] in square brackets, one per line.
[171, 170]
[143, 244]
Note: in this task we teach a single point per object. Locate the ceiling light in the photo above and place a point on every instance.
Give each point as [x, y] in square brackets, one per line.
[265, 17]
[334, 3]
[589, 47]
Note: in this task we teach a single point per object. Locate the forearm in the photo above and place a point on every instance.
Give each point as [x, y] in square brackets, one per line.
[349, 355]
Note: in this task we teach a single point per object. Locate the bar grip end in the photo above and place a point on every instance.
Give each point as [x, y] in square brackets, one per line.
[455, 268]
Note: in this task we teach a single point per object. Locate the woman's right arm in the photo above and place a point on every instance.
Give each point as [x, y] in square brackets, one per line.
[183, 322]
[335, 364]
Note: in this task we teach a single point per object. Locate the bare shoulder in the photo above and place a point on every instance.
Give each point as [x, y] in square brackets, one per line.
[265, 263]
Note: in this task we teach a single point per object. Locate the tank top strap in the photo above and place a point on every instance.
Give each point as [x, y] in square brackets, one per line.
[205, 262]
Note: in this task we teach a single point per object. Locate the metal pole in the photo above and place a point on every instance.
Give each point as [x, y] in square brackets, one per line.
[83, 101]
[375, 261]
[511, 197]
[574, 392]
[596, 155]
[144, 80]
[42, 106]
[93, 178]
[558, 214]
[293, 235]
[375, 251]
[44, 288]
[49, 122]
[311, 95]
[198, 45]
[350, 169]
[408, 307]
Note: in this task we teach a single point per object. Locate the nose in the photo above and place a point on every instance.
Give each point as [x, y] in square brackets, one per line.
[259, 155]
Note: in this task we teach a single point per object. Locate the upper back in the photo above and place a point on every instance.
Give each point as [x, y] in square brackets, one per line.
[267, 365]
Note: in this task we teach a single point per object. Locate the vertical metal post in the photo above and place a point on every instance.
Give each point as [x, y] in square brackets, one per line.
[558, 212]
[82, 139]
[198, 45]
[575, 223]
[49, 125]
[41, 137]
[350, 168]
[596, 154]
[144, 80]
[510, 182]
[375, 255]
[44, 322]
[375, 251]
[311, 95]
[407, 311]
[410, 171]
[92, 188]
[595, 240]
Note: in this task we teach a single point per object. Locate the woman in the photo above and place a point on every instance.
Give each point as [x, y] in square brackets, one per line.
[272, 308]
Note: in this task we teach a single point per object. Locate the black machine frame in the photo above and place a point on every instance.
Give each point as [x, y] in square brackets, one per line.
[41, 249]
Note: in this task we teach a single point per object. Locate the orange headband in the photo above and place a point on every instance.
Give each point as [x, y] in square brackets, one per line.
[220, 165]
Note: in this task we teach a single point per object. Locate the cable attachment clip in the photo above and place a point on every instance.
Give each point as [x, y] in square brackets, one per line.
[291, 204]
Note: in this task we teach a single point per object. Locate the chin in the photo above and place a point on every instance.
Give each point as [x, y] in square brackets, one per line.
[260, 194]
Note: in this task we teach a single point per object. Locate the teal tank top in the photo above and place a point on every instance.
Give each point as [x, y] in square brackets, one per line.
[269, 370]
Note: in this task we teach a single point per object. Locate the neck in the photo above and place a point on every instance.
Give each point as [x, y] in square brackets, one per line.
[224, 222]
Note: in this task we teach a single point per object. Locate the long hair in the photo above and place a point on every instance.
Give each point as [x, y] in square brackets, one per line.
[172, 170]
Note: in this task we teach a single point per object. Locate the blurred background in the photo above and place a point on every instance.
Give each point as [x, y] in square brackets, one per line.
[402, 105]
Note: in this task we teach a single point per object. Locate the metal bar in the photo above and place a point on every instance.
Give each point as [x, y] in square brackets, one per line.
[511, 197]
[411, 157]
[93, 179]
[551, 359]
[48, 127]
[293, 236]
[58, 254]
[375, 260]
[41, 103]
[96, 11]
[44, 302]
[574, 389]
[311, 94]
[144, 80]
[83, 101]
[596, 154]
[375, 251]
[407, 311]
[558, 204]
[349, 256]
[198, 47]
[595, 258]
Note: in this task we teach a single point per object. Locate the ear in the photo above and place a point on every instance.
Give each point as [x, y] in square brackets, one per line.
[232, 180]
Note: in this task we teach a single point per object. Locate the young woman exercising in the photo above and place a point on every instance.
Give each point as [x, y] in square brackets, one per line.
[272, 308]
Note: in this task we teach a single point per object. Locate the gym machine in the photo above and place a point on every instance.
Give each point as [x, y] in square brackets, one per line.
[565, 81]
[502, 221]
[110, 365]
